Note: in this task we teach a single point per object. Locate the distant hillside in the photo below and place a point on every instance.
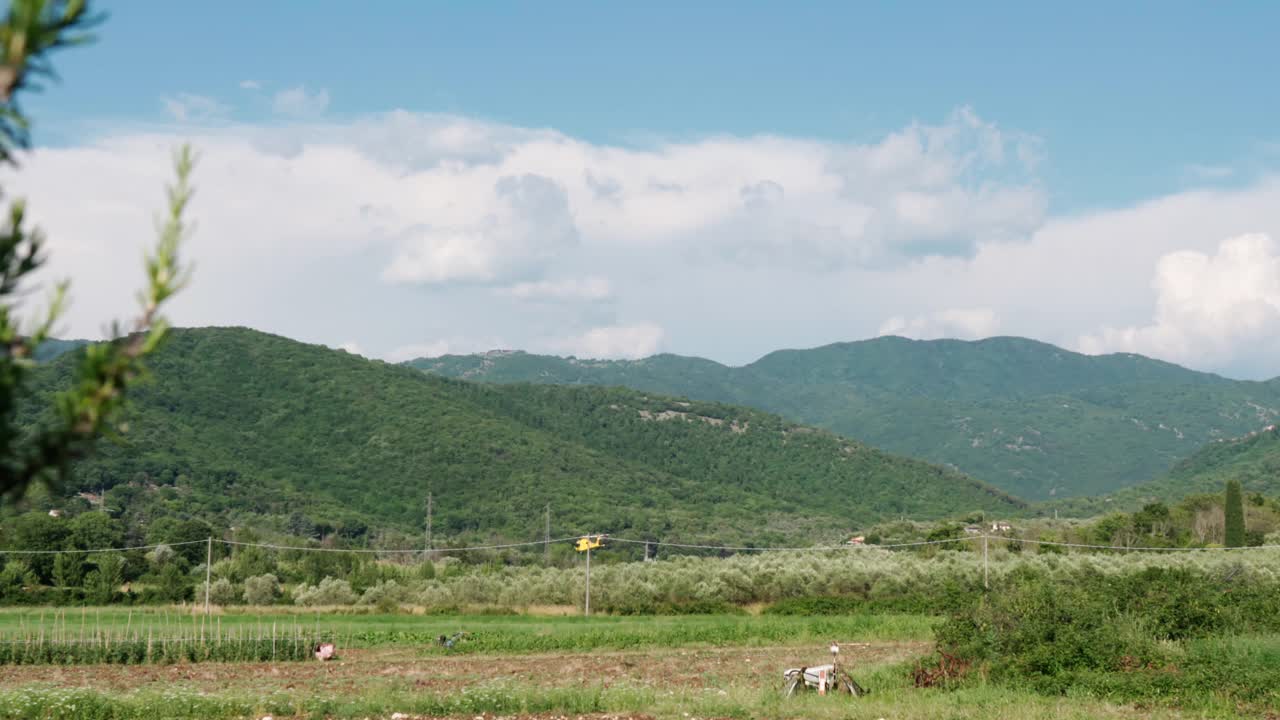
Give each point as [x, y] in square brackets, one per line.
[1033, 419]
[1254, 460]
[52, 348]
[256, 429]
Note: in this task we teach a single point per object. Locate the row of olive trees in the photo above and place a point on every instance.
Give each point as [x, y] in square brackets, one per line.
[878, 579]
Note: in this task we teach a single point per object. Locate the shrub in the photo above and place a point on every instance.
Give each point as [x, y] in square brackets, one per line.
[692, 607]
[174, 585]
[386, 596]
[222, 592]
[330, 591]
[14, 579]
[817, 606]
[162, 555]
[1038, 630]
[261, 589]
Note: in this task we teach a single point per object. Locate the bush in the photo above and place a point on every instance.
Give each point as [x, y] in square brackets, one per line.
[1038, 630]
[811, 606]
[330, 591]
[386, 596]
[692, 607]
[222, 592]
[1154, 632]
[16, 577]
[261, 589]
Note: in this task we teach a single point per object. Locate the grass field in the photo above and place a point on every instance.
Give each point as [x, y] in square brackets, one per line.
[484, 633]
[526, 666]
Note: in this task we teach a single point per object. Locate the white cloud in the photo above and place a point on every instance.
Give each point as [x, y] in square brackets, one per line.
[1209, 308]
[1204, 173]
[443, 346]
[573, 289]
[250, 85]
[298, 102]
[527, 223]
[406, 226]
[617, 341]
[420, 350]
[966, 324]
[187, 107]
[351, 347]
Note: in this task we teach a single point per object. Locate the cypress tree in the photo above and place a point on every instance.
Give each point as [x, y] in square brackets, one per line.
[1234, 515]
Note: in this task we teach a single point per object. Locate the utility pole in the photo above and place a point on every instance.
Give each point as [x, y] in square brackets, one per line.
[986, 584]
[430, 507]
[585, 544]
[208, 573]
[546, 537]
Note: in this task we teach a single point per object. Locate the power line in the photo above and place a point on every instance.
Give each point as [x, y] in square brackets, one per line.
[99, 550]
[1135, 548]
[547, 541]
[304, 548]
[546, 537]
[794, 548]
[430, 508]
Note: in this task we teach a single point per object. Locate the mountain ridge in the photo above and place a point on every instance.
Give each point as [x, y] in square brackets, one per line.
[1253, 459]
[1004, 340]
[252, 428]
[1036, 420]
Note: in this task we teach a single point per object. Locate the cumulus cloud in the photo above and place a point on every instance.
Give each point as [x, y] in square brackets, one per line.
[1209, 307]
[573, 289]
[412, 226]
[188, 107]
[299, 102]
[527, 223]
[612, 342]
[444, 346]
[250, 85]
[405, 353]
[966, 324]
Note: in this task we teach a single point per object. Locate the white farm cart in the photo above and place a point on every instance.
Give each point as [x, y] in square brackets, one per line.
[823, 678]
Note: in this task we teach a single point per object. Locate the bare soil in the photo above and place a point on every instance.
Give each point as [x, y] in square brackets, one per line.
[357, 671]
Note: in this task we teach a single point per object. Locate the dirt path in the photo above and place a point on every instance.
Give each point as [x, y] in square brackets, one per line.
[358, 671]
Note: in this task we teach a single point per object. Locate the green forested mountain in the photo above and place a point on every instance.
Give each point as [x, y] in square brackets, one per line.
[54, 347]
[1253, 459]
[1033, 419]
[253, 429]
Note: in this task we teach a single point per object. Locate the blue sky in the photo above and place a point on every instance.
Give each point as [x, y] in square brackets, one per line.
[1128, 97]
[1151, 128]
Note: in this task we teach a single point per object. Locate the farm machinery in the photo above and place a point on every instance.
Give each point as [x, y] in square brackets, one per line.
[822, 678]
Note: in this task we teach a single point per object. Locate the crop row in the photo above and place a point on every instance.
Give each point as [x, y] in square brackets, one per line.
[139, 649]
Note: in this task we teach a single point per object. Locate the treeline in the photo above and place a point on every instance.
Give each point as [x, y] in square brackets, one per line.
[244, 429]
[917, 579]
[1228, 519]
[61, 568]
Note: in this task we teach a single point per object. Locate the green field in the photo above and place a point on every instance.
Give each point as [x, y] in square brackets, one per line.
[539, 667]
[484, 633]
[708, 666]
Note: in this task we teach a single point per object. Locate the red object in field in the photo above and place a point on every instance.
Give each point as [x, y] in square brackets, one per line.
[324, 651]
